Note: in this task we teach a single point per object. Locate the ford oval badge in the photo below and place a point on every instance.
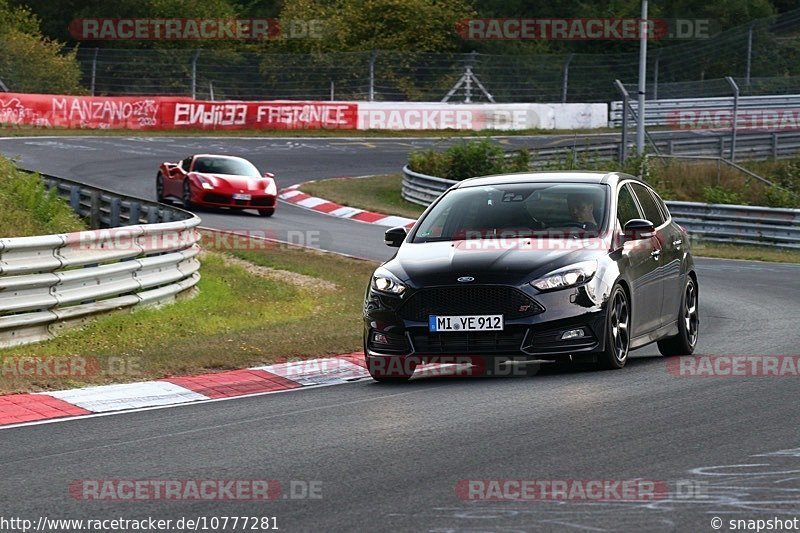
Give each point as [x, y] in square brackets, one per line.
[466, 279]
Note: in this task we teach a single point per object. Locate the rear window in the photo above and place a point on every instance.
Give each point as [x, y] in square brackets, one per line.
[510, 210]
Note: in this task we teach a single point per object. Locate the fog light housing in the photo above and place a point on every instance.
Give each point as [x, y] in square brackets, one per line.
[573, 334]
[379, 338]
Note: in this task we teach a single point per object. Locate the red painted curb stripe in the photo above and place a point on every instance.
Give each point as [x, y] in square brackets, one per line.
[298, 197]
[327, 207]
[366, 216]
[234, 383]
[18, 408]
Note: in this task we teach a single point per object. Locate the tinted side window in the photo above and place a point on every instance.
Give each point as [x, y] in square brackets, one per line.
[661, 204]
[626, 206]
[186, 163]
[649, 206]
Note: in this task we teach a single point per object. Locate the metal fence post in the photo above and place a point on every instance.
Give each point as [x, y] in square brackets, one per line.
[3, 86]
[94, 70]
[655, 77]
[333, 91]
[372, 57]
[735, 116]
[774, 146]
[749, 55]
[623, 149]
[565, 79]
[195, 55]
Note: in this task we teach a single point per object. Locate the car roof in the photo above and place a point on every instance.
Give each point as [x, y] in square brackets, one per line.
[571, 176]
[218, 156]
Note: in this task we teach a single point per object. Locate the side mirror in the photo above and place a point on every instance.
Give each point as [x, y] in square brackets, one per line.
[394, 237]
[638, 228]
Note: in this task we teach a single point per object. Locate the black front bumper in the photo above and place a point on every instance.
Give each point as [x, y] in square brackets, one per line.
[534, 335]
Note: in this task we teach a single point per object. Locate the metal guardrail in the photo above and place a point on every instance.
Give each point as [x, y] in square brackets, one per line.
[662, 112]
[736, 224]
[51, 282]
[754, 146]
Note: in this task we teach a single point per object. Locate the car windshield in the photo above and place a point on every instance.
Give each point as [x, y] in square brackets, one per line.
[225, 165]
[516, 210]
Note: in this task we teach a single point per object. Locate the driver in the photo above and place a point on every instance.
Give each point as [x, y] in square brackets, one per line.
[581, 209]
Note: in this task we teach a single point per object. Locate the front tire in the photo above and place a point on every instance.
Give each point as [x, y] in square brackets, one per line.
[266, 212]
[186, 196]
[160, 187]
[688, 324]
[618, 340]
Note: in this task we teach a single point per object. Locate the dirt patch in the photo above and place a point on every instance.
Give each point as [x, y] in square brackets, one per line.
[300, 280]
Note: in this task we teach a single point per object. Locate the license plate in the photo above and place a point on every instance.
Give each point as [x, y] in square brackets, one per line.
[465, 323]
[241, 196]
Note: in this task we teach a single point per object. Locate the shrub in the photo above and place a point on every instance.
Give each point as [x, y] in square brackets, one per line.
[467, 160]
[721, 195]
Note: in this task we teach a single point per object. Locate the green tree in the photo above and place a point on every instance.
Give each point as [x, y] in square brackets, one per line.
[30, 62]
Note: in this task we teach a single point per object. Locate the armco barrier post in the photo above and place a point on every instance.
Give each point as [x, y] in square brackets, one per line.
[114, 213]
[134, 213]
[94, 209]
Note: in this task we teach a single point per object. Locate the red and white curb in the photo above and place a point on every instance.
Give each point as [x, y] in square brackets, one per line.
[294, 195]
[18, 409]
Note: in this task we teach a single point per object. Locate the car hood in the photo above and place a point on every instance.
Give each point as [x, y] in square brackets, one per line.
[231, 182]
[506, 261]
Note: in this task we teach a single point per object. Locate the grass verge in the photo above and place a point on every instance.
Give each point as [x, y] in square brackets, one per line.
[382, 194]
[28, 209]
[266, 304]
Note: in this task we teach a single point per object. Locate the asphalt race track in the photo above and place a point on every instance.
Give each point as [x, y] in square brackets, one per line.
[390, 457]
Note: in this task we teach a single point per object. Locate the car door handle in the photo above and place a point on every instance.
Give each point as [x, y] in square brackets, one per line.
[655, 254]
[677, 242]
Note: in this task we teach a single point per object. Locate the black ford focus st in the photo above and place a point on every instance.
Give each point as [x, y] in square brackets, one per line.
[544, 266]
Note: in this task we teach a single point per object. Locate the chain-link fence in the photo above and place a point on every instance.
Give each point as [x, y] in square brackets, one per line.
[765, 54]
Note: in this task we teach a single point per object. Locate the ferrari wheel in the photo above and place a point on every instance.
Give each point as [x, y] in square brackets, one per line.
[160, 187]
[266, 212]
[186, 197]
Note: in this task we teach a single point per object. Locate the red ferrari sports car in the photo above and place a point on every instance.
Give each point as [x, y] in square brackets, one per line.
[217, 181]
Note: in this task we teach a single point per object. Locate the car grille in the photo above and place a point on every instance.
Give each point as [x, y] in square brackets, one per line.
[263, 202]
[214, 198]
[475, 300]
[468, 343]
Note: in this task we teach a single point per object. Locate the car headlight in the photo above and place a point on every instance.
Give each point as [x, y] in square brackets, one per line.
[207, 186]
[271, 188]
[566, 277]
[385, 281]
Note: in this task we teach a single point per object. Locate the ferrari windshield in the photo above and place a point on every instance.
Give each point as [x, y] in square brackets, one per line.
[516, 210]
[225, 165]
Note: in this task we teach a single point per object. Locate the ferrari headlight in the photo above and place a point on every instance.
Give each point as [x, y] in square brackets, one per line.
[385, 281]
[566, 277]
[207, 186]
[271, 188]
